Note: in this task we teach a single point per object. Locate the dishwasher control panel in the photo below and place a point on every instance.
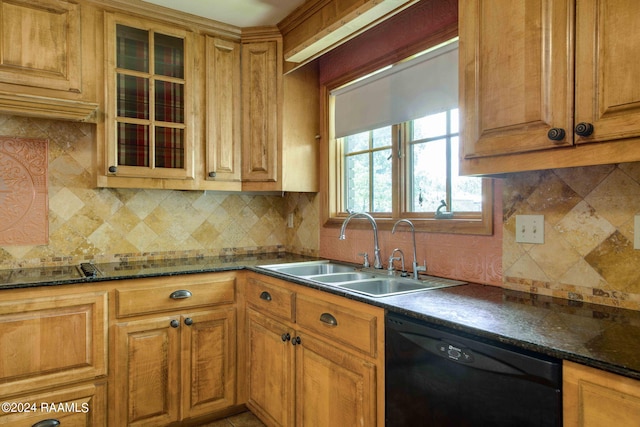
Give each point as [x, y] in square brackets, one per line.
[459, 354]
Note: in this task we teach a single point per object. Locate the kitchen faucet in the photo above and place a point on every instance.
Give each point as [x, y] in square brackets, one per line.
[376, 250]
[390, 269]
[416, 267]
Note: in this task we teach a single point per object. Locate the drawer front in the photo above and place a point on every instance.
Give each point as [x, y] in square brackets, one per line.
[184, 292]
[345, 325]
[271, 299]
[50, 341]
[81, 406]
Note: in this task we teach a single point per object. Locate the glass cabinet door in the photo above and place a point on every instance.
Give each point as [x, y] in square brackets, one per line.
[148, 133]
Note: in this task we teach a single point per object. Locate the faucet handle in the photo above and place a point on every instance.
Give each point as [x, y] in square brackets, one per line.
[366, 259]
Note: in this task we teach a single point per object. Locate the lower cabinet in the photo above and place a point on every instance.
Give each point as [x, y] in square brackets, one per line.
[595, 398]
[53, 356]
[176, 365]
[318, 362]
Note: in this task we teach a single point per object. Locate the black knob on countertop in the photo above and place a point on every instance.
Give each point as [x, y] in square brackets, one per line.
[584, 129]
[556, 134]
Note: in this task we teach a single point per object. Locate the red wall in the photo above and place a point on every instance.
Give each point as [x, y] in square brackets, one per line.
[472, 258]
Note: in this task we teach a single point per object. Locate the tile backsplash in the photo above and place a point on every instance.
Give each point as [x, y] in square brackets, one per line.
[588, 252]
[106, 225]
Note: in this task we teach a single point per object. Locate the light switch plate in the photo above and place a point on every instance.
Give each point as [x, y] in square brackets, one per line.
[530, 229]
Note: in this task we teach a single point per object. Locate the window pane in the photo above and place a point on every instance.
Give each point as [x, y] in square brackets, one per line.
[455, 121]
[132, 47]
[382, 137]
[169, 147]
[133, 97]
[357, 142]
[169, 102]
[466, 192]
[169, 56]
[429, 167]
[382, 189]
[357, 182]
[430, 126]
[133, 144]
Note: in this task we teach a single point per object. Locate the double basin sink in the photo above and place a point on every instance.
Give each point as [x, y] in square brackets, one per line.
[366, 281]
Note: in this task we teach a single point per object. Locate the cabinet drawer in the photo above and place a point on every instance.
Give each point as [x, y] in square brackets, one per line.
[51, 341]
[271, 299]
[346, 325]
[176, 293]
[81, 406]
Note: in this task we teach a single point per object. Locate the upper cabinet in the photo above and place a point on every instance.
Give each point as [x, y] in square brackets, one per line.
[46, 59]
[148, 114]
[280, 118]
[547, 84]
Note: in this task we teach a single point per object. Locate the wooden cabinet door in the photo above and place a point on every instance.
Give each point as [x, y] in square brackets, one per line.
[147, 372]
[516, 74]
[595, 398]
[208, 361]
[271, 370]
[260, 111]
[607, 69]
[223, 110]
[51, 341]
[333, 387]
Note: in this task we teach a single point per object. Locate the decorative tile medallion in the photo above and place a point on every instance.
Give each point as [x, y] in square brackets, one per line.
[23, 191]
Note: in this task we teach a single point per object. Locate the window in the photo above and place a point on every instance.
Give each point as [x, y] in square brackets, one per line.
[406, 168]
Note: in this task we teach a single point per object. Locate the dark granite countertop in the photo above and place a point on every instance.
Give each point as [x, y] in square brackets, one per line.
[600, 336]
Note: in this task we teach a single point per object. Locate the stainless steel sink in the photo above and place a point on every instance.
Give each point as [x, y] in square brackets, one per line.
[341, 277]
[310, 268]
[370, 282]
[380, 287]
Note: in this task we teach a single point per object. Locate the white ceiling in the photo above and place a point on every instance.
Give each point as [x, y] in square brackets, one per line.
[241, 13]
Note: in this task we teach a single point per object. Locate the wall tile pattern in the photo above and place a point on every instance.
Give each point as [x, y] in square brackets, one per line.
[23, 191]
[588, 251]
[106, 225]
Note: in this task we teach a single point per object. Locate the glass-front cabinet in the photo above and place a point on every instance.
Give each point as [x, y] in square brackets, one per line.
[149, 124]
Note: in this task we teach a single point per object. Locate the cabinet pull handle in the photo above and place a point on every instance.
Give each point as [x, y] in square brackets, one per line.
[174, 323]
[295, 341]
[180, 294]
[188, 321]
[584, 129]
[556, 134]
[113, 169]
[265, 296]
[52, 422]
[286, 337]
[328, 319]
[212, 174]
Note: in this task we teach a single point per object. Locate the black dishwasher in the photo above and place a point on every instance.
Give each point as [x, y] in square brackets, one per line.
[436, 376]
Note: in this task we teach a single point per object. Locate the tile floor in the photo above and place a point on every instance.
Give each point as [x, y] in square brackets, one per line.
[245, 419]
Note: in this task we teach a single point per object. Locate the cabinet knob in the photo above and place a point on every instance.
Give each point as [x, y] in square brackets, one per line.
[556, 134]
[584, 129]
[265, 296]
[52, 422]
[295, 341]
[180, 294]
[188, 321]
[113, 169]
[174, 323]
[212, 174]
[286, 337]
